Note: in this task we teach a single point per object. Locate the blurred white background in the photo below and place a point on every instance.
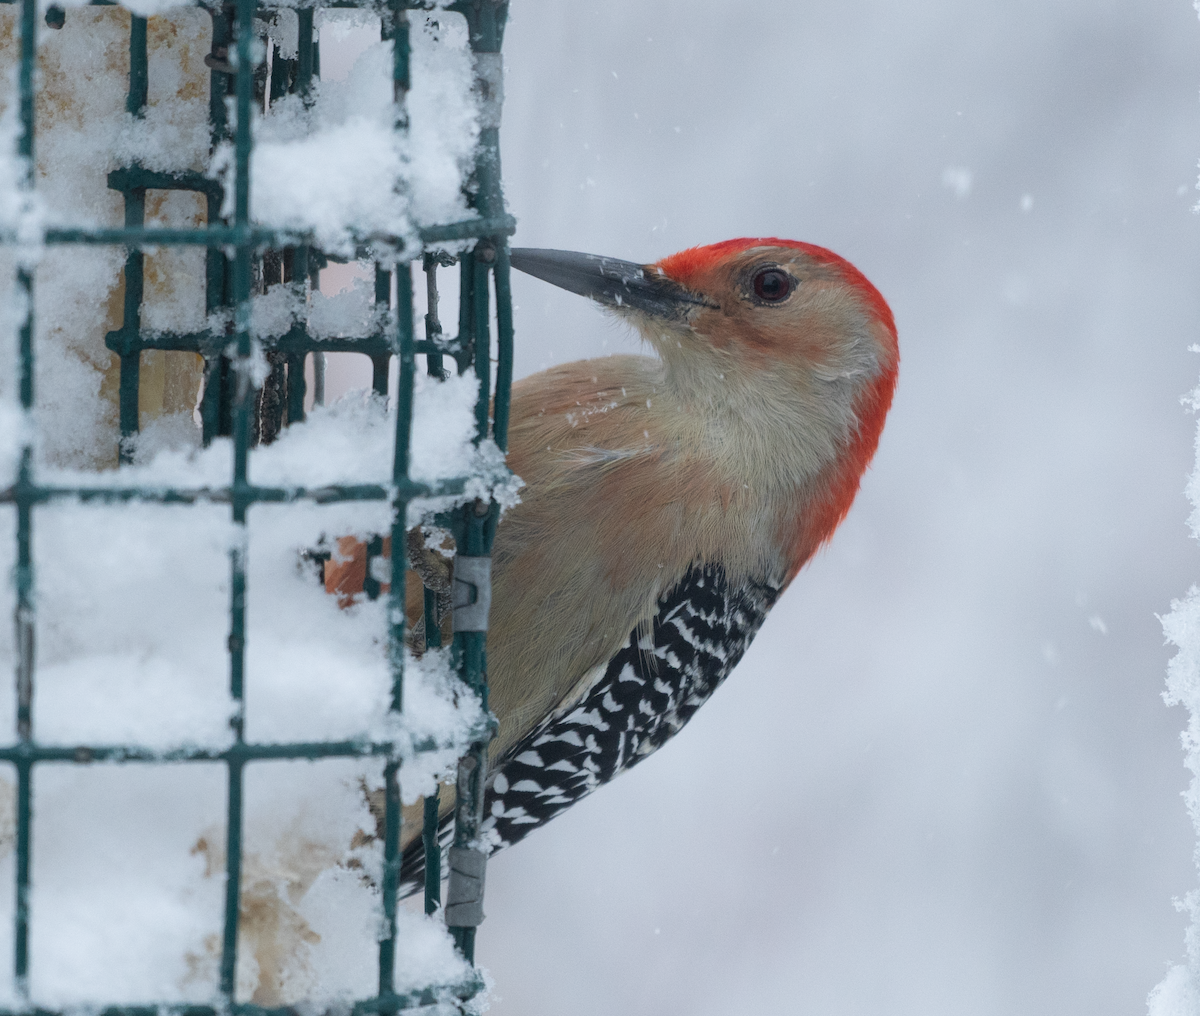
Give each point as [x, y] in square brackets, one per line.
[943, 779]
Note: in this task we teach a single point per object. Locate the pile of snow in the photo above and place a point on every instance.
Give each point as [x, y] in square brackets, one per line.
[338, 168]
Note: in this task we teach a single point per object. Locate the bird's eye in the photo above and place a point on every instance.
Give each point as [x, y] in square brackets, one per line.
[772, 285]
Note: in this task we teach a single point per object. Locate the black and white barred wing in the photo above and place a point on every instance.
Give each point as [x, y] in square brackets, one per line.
[646, 693]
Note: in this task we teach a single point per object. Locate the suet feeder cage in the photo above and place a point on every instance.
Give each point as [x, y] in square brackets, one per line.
[251, 391]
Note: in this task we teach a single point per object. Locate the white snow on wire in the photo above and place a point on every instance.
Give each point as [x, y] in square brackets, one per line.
[346, 314]
[338, 167]
[350, 442]
[351, 313]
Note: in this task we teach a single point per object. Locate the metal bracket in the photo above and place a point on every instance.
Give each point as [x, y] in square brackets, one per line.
[464, 893]
[472, 592]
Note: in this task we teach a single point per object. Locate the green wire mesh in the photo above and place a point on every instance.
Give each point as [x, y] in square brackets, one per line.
[231, 406]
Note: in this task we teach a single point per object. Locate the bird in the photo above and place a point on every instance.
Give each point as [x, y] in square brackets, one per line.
[669, 501]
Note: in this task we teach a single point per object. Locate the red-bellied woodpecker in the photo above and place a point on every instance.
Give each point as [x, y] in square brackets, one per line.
[669, 500]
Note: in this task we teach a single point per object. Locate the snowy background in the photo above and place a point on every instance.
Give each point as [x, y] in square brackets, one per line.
[943, 780]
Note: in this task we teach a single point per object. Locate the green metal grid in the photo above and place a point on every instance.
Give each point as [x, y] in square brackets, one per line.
[229, 407]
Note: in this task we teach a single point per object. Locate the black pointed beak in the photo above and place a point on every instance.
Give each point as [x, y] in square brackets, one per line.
[612, 282]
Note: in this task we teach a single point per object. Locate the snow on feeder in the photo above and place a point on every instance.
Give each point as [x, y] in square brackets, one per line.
[210, 753]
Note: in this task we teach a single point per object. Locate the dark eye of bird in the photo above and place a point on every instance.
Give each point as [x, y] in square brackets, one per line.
[772, 285]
